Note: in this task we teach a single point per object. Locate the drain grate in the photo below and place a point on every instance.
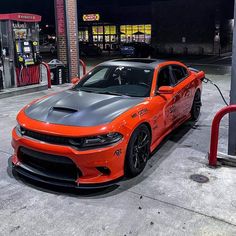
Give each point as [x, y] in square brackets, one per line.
[199, 178]
[233, 203]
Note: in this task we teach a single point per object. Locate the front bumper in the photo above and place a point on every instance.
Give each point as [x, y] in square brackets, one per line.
[43, 162]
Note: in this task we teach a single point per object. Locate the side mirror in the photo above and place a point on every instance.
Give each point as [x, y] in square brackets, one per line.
[75, 80]
[166, 90]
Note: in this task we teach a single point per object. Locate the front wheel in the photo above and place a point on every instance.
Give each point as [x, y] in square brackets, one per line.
[138, 151]
[196, 107]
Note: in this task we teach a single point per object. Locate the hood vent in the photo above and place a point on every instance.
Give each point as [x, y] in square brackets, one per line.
[64, 109]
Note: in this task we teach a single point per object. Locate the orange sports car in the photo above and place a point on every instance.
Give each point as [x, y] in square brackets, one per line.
[107, 125]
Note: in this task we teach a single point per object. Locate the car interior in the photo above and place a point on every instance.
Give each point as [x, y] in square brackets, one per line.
[164, 78]
[124, 80]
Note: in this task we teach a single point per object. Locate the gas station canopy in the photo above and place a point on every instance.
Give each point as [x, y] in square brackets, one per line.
[24, 17]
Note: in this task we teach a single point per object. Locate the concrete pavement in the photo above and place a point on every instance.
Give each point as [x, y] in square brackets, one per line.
[161, 201]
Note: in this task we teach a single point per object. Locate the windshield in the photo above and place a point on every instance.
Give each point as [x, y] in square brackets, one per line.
[118, 80]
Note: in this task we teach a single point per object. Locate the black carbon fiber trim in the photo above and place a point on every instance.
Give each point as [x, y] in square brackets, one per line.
[22, 172]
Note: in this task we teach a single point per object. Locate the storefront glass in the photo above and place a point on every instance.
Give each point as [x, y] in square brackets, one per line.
[107, 37]
[83, 36]
[136, 33]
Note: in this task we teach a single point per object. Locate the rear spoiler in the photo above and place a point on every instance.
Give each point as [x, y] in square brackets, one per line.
[200, 74]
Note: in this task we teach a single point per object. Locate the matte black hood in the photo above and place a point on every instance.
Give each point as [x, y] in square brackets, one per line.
[77, 108]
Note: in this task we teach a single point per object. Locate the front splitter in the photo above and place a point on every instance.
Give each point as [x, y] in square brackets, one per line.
[21, 171]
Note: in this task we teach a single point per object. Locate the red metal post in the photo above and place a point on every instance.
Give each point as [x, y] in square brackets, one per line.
[215, 133]
[48, 73]
[84, 66]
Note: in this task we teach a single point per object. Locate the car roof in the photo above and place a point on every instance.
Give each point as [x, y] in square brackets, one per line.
[143, 63]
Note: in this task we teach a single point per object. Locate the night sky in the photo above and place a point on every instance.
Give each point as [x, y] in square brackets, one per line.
[45, 8]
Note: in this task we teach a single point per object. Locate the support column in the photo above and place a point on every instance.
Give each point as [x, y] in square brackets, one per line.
[217, 37]
[90, 33]
[232, 117]
[67, 35]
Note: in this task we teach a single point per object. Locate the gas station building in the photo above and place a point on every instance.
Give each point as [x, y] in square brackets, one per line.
[111, 24]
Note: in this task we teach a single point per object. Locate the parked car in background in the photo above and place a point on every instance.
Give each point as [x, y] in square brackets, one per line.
[89, 49]
[136, 49]
[48, 47]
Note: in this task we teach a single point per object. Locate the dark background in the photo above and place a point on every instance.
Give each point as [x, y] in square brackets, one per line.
[45, 8]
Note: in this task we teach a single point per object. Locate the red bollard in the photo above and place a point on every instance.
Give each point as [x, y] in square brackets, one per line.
[215, 133]
[48, 73]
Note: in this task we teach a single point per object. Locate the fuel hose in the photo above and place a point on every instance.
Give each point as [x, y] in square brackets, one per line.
[206, 80]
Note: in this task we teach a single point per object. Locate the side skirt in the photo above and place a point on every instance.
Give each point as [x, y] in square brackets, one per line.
[155, 145]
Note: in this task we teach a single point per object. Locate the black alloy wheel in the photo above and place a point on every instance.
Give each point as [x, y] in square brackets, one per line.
[196, 107]
[138, 151]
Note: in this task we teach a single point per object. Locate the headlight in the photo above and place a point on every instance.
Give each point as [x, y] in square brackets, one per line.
[96, 141]
[18, 129]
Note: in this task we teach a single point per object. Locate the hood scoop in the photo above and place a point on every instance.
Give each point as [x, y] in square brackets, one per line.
[64, 109]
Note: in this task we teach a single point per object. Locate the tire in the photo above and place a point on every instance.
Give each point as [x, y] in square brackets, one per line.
[196, 107]
[138, 151]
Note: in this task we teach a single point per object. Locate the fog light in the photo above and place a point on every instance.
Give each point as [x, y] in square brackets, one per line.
[104, 170]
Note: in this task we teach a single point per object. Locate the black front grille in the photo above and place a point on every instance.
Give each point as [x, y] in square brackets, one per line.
[58, 140]
[45, 138]
[52, 166]
[22, 171]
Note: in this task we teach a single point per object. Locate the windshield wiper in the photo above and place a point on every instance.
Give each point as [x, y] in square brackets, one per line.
[101, 92]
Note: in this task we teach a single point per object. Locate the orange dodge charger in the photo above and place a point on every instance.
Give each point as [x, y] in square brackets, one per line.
[107, 125]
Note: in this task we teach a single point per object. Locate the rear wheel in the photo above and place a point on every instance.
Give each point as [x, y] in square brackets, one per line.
[138, 151]
[196, 107]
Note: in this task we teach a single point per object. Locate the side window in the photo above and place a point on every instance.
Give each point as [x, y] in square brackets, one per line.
[164, 78]
[185, 71]
[179, 73]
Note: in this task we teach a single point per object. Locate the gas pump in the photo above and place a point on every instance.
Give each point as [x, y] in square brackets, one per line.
[27, 54]
[19, 36]
[24, 53]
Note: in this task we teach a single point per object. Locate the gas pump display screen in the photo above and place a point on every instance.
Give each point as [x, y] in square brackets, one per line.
[27, 49]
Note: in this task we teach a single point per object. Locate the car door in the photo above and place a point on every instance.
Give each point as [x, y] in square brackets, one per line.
[183, 92]
[164, 104]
